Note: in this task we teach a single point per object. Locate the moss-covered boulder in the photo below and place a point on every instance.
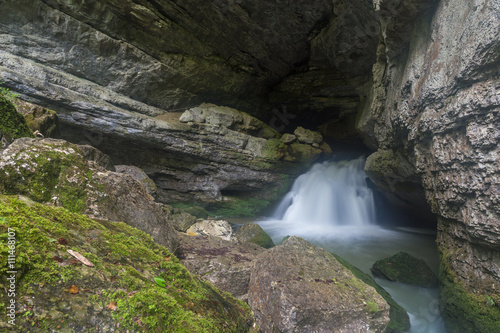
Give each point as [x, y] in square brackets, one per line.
[298, 287]
[12, 124]
[39, 119]
[400, 321]
[72, 176]
[253, 233]
[183, 221]
[134, 284]
[405, 268]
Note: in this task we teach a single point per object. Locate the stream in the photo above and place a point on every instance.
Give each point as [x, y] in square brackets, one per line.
[332, 207]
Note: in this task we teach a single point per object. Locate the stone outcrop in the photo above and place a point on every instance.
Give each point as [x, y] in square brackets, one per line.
[225, 264]
[40, 119]
[134, 284]
[75, 177]
[436, 100]
[297, 287]
[253, 233]
[405, 268]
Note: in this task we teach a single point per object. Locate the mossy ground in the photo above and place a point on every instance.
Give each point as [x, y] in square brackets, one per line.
[12, 123]
[117, 294]
[237, 207]
[400, 322]
[463, 310]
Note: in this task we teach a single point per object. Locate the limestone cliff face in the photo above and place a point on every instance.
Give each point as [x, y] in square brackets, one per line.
[437, 104]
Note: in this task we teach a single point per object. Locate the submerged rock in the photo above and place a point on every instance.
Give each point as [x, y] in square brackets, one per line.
[298, 287]
[253, 233]
[405, 268]
[134, 285]
[72, 176]
[225, 264]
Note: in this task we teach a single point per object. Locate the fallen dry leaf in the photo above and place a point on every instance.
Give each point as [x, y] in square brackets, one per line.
[78, 256]
[72, 290]
[112, 306]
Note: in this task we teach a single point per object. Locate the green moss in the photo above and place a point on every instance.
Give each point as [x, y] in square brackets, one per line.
[118, 290]
[48, 175]
[274, 149]
[400, 322]
[236, 207]
[12, 123]
[464, 310]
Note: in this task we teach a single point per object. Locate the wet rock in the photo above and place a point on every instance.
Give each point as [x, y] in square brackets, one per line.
[183, 221]
[253, 233]
[297, 287]
[139, 175]
[225, 264]
[308, 136]
[72, 176]
[39, 119]
[405, 268]
[215, 228]
[131, 276]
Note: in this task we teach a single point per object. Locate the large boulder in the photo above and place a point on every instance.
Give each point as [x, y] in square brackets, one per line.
[72, 176]
[12, 124]
[225, 264]
[123, 280]
[139, 175]
[214, 228]
[253, 233]
[405, 268]
[298, 287]
[39, 119]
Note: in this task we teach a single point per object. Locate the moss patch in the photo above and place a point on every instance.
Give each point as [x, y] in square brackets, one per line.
[118, 293]
[236, 207]
[48, 175]
[464, 310]
[12, 123]
[400, 322]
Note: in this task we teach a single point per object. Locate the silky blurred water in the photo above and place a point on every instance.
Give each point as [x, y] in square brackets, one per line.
[332, 207]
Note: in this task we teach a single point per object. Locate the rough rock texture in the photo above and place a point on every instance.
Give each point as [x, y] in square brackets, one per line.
[225, 264]
[297, 287]
[437, 100]
[405, 268]
[39, 119]
[253, 233]
[12, 124]
[214, 228]
[139, 175]
[57, 172]
[58, 293]
[183, 221]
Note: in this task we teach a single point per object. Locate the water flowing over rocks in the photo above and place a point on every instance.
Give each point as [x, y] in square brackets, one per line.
[297, 287]
[417, 80]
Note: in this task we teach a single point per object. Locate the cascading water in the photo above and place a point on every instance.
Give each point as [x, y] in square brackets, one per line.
[332, 207]
[330, 194]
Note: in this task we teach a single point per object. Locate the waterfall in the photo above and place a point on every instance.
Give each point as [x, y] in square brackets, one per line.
[330, 194]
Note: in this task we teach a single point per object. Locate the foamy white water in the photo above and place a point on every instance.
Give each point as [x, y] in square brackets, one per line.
[332, 207]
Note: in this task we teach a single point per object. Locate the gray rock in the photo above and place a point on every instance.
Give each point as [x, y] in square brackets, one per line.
[39, 119]
[297, 287]
[405, 268]
[139, 175]
[214, 228]
[183, 221]
[58, 172]
[253, 233]
[308, 136]
[225, 264]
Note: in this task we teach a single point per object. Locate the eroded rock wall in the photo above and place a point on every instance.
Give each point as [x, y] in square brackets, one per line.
[438, 102]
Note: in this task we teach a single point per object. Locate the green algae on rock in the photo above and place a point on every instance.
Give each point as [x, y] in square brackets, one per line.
[72, 176]
[253, 233]
[12, 123]
[405, 268]
[119, 292]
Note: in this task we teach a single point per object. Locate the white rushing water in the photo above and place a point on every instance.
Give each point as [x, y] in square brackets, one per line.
[331, 206]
